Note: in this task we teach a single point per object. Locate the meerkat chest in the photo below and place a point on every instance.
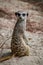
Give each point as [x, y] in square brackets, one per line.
[22, 25]
[20, 28]
[18, 33]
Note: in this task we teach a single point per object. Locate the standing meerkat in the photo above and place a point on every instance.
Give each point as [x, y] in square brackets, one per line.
[19, 42]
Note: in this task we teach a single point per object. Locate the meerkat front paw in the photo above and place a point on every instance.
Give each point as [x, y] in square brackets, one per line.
[27, 50]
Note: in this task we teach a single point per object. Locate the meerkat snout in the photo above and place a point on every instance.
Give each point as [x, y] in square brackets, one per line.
[21, 15]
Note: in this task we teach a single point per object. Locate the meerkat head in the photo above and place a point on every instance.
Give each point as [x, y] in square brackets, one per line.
[21, 15]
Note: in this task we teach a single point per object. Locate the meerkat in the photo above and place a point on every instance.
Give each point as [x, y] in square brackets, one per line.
[19, 42]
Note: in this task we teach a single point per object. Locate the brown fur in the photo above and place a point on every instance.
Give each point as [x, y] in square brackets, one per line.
[19, 42]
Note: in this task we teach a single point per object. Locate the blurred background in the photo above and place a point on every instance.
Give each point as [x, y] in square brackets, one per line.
[34, 29]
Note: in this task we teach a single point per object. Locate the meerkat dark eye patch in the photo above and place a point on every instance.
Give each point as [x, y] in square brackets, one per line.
[23, 14]
[19, 14]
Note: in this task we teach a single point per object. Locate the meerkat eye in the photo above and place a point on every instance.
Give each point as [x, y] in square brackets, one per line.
[23, 14]
[19, 14]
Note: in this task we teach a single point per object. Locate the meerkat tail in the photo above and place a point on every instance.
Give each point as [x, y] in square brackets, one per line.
[3, 58]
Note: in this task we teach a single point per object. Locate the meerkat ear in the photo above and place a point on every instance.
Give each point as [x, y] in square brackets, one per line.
[27, 14]
[16, 13]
